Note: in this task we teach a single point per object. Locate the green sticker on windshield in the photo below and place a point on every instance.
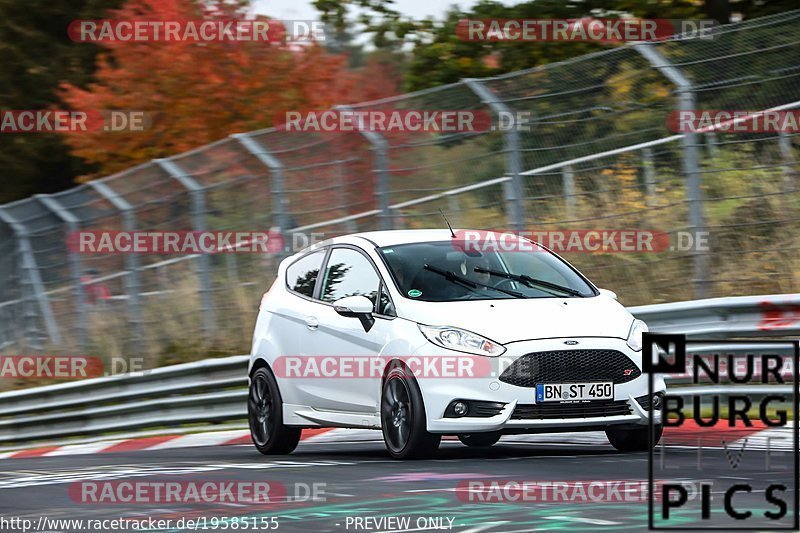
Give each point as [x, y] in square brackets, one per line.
[414, 293]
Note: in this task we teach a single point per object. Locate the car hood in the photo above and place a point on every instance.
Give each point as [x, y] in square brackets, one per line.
[506, 321]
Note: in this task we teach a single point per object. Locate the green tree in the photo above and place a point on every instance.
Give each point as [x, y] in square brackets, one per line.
[37, 55]
[439, 56]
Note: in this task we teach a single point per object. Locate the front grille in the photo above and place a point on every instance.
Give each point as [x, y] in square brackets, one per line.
[571, 366]
[551, 411]
[485, 409]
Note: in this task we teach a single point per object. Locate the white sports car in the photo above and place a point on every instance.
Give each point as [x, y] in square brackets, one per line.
[417, 335]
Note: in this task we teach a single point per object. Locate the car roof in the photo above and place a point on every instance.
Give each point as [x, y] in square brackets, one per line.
[395, 237]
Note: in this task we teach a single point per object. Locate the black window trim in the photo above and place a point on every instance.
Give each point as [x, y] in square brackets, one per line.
[390, 271]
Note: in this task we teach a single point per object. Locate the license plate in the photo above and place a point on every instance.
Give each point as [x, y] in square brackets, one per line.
[567, 392]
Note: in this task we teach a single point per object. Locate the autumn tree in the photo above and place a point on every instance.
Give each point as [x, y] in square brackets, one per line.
[196, 93]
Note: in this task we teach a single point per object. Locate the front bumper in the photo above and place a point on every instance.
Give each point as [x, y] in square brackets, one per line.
[521, 413]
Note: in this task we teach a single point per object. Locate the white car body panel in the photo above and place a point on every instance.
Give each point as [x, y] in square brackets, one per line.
[289, 324]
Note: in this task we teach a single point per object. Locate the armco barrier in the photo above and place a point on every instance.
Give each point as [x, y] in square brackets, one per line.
[742, 316]
[213, 390]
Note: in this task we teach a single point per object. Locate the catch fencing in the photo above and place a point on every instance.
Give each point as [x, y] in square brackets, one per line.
[598, 155]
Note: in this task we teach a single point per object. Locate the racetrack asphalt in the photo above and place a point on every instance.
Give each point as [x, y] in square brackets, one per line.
[358, 480]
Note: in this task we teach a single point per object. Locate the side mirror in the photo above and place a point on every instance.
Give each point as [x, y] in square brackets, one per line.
[610, 294]
[359, 307]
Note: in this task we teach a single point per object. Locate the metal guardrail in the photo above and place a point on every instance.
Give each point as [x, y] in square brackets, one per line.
[213, 390]
[749, 316]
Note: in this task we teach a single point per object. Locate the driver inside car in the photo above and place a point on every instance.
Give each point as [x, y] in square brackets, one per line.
[484, 278]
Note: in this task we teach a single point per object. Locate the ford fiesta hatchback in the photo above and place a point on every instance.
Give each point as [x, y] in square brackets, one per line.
[422, 333]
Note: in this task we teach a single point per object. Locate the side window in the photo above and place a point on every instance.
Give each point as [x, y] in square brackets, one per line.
[385, 306]
[349, 273]
[301, 276]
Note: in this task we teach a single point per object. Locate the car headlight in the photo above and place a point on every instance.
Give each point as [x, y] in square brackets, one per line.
[635, 335]
[461, 340]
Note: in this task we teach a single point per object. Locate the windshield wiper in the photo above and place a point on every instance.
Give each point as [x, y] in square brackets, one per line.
[455, 278]
[529, 281]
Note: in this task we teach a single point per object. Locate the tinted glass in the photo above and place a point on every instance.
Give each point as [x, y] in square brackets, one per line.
[407, 261]
[302, 274]
[385, 305]
[349, 273]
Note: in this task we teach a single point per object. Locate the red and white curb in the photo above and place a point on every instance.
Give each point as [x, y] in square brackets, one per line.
[165, 442]
[757, 437]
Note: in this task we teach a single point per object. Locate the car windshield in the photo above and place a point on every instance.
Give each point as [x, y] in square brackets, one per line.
[442, 272]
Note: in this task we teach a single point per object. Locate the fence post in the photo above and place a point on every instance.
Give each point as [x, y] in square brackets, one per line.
[280, 203]
[569, 191]
[73, 224]
[385, 218]
[32, 287]
[350, 225]
[712, 143]
[787, 158]
[686, 102]
[454, 208]
[381, 168]
[649, 176]
[197, 193]
[512, 189]
[132, 287]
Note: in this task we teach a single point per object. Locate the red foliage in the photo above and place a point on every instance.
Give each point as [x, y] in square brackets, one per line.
[196, 93]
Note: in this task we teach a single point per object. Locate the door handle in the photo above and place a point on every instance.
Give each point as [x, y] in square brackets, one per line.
[312, 323]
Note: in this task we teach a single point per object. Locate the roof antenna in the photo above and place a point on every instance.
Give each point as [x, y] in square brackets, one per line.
[448, 223]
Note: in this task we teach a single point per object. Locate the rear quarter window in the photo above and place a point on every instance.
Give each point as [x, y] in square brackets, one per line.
[301, 276]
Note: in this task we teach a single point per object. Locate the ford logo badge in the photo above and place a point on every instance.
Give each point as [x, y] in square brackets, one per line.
[571, 343]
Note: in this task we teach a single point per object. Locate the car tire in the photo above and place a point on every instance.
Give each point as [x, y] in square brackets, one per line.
[403, 421]
[265, 414]
[479, 440]
[633, 440]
